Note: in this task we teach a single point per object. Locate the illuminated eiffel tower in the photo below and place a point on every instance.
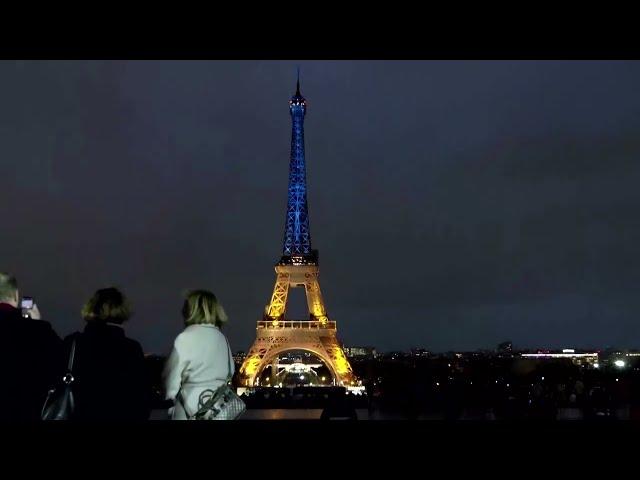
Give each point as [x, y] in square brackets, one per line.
[298, 267]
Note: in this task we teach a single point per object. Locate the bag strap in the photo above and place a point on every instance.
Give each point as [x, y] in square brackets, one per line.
[230, 375]
[72, 355]
[184, 405]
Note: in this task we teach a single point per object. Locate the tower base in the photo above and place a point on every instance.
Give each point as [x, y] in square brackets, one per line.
[319, 338]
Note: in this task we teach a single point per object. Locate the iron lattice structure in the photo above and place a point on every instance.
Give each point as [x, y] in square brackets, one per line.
[298, 267]
[297, 236]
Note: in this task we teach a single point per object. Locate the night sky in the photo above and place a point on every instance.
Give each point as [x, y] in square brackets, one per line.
[454, 204]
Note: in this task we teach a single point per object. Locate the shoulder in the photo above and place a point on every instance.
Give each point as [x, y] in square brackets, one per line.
[198, 333]
[133, 345]
[40, 325]
[42, 330]
[68, 340]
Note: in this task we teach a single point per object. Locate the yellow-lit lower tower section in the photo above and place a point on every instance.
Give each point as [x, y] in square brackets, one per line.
[298, 267]
[275, 334]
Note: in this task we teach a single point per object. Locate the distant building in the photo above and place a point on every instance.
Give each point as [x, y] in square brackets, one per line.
[420, 352]
[360, 352]
[239, 356]
[395, 355]
[505, 347]
[578, 358]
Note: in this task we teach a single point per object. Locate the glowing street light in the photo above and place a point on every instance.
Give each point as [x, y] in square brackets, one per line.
[619, 363]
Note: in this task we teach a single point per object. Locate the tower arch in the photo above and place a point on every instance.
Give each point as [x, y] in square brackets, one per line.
[273, 355]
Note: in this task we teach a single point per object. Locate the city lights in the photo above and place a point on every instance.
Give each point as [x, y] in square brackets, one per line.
[619, 364]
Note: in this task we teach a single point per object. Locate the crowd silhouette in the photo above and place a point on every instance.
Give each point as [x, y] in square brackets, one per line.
[98, 373]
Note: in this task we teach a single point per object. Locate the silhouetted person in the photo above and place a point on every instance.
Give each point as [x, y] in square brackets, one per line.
[339, 407]
[416, 400]
[599, 402]
[30, 352]
[453, 400]
[369, 390]
[111, 381]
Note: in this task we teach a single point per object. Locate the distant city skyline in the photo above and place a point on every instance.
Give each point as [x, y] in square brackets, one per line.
[454, 204]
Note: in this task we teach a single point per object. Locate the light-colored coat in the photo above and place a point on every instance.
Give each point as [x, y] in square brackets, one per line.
[199, 361]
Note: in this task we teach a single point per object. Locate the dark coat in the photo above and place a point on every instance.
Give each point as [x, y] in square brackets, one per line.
[30, 355]
[111, 379]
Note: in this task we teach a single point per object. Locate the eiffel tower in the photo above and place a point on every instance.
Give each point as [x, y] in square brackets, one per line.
[298, 267]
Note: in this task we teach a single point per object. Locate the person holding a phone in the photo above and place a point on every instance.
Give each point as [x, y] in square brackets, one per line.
[29, 309]
[30, 354]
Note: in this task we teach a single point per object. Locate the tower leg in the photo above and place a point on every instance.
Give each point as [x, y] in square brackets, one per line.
[314, 298]
[274, 372]
[275, 310]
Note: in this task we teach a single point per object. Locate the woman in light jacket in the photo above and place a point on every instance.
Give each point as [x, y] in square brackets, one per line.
[201, 358]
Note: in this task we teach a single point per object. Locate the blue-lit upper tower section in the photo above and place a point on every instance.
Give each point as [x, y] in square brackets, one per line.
[297, 237]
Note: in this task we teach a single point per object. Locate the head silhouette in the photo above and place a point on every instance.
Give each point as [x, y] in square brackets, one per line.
[107, 305]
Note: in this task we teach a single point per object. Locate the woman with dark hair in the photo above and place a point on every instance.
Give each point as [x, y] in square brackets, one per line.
[110, 377]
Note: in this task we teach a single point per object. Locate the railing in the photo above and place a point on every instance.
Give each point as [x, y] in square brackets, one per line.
[305, 324]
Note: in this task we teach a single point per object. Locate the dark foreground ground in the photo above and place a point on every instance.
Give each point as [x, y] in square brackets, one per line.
[468, 389]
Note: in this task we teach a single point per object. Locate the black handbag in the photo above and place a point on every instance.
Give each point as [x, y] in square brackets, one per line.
[59, 404]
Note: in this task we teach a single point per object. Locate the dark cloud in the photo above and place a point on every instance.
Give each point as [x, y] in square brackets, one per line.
[455, 204]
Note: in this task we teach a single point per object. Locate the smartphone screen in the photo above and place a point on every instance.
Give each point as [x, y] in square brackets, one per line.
[27, 303]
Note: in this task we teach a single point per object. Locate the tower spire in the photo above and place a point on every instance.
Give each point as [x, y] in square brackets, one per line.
[297, 237]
